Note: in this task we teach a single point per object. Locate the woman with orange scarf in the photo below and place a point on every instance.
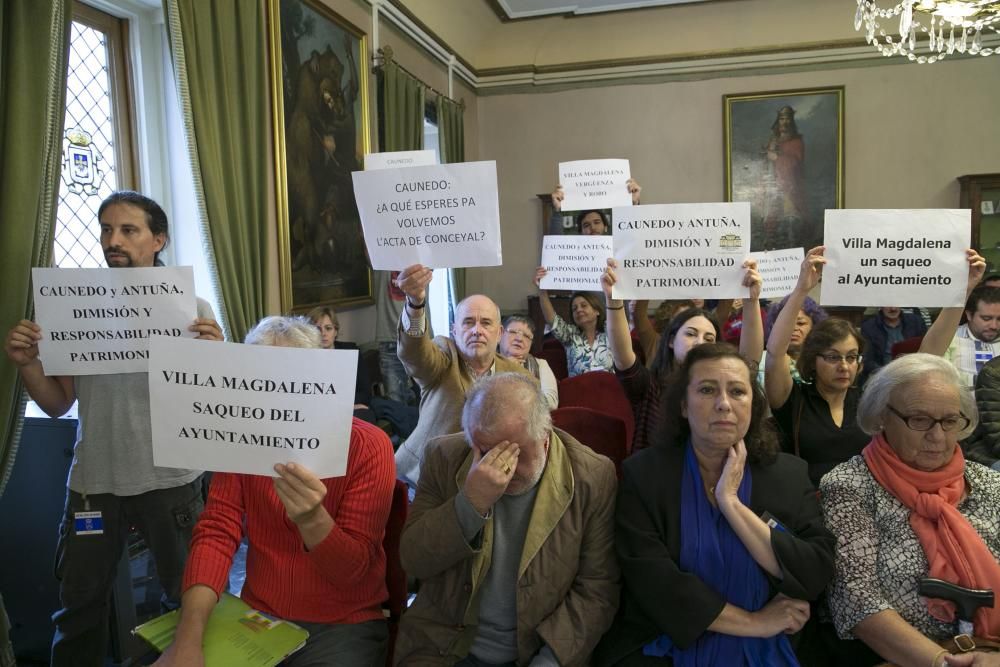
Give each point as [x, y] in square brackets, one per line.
[912, 507]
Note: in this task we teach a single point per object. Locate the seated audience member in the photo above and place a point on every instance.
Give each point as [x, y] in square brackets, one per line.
[708, 579]
[646, 328]
[912, 507]
[588, 223]
[689, 328]
[817, 417]
[992, 280]
[325, 319]
[315, 545]
[971, 345]
[888, 326]
[810, 314]
[983, 446]
[511, 536]
[444, 368]
[112, 473]
[585, 340]
[515, 343]
[732, 328]
[389, 304]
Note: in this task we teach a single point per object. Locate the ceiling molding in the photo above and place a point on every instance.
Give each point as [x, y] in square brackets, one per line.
[499, 8]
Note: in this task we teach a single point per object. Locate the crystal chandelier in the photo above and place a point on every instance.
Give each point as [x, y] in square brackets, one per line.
[929, 30]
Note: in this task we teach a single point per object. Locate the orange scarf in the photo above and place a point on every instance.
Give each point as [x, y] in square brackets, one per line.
[955, 551]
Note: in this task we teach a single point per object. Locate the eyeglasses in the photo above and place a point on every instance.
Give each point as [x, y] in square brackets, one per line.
[523, 334]
[833, 358]
[924, 423]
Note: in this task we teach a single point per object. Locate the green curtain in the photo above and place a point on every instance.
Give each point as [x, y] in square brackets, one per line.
[451, 130]
[219, 58]
[34, 51]
[402, 107]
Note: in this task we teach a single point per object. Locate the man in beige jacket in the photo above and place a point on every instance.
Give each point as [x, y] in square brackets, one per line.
[444, 368]
[511, 534]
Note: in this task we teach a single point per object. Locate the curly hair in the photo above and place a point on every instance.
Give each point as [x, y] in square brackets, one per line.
[761, 439]
[663, 360]
[583, 214]
[827, 333]
[809, 307]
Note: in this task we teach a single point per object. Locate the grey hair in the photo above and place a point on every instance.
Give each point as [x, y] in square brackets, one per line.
[496, 397]
[909, 371]
[289, 331]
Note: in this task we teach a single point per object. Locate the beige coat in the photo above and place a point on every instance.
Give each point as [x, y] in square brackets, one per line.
[568, 578]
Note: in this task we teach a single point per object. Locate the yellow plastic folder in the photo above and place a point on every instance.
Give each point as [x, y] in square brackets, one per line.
[236, 634]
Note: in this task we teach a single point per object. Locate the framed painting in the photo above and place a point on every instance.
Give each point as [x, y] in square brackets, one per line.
[319, 92]
[784, 153]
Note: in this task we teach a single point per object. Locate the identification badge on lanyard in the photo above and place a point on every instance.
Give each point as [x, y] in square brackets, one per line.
[88, 523]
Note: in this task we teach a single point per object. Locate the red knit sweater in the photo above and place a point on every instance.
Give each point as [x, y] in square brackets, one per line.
[342, 579]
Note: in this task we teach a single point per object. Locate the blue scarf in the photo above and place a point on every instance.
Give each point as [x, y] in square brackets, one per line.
[712, 551]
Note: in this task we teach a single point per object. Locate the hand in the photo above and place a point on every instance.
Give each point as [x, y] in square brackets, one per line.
[634, 189]
[207, 329]
[812, 269]
[21, 344]
[181, 654]
[728, 486]
[557, 198]
[540, 273]
[752, 280]
[977, 267]
[300, 491]
[608, 279]
[490, 474]
[781, 614]
[973, 659]
[413, 280]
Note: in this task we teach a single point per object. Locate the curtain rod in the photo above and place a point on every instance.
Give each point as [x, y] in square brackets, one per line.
[385, 55]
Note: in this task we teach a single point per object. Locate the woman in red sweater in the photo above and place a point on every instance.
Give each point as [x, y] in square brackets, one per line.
[315, 545]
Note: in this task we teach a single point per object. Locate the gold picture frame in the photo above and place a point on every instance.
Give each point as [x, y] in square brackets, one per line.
[784, 153]
[319, 103]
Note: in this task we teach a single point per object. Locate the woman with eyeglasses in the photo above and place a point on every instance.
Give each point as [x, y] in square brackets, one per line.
[910, 507]
[817, 418]
[515, 343]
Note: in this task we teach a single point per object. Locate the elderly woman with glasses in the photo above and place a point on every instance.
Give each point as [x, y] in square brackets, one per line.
[911, 507]
[515, 343]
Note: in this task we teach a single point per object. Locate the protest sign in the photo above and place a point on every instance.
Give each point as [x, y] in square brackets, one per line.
[441, 216]
[594, 184]
[681, 251]
[230, 407]
[99, 321]
[779, 271]
[398, 159]
[575, 262]
[896, 257]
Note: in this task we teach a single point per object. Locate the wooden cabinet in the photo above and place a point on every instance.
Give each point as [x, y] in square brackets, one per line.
[981, 193]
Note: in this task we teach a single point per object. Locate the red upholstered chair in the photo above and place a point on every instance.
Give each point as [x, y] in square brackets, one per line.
[603, 433]
[554, 353]
[599, 391]
[908, 346]
[395, 576]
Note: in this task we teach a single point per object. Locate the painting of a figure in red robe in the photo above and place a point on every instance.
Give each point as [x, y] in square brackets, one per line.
[784, 154]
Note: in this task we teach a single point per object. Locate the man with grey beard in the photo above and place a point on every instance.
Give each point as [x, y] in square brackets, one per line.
[511, 534]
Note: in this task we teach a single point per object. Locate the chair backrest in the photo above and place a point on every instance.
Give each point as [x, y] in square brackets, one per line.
[395, 575]
[908, 346]
[600, 391]
[554, 353]
[603, 433]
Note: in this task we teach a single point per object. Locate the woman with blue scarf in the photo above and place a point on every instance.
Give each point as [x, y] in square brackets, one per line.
[720, 537]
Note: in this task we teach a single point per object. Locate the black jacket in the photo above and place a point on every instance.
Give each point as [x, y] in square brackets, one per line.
[875, 334]
[983, 446]
[660, 598]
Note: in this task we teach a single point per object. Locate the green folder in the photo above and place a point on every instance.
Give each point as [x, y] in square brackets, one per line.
[236, 634]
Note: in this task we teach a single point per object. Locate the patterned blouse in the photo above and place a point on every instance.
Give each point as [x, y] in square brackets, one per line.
[879, 561]
[580, 355]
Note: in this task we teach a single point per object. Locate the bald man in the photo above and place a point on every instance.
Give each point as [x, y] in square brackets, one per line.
[444, 368]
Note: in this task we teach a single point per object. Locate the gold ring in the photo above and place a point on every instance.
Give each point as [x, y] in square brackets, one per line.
[506, 469]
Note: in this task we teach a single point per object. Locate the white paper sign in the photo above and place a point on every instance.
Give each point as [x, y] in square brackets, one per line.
[575, 262]
[441, 216]
[99, 321]
[230, 407]
[681, 251]
[398, 159]
[896, 257]
[594, 184]
[779, 271]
